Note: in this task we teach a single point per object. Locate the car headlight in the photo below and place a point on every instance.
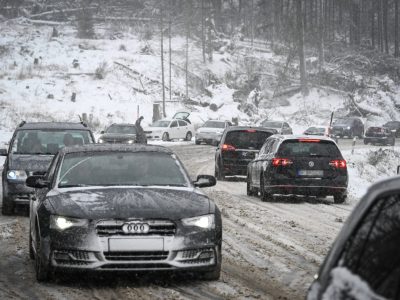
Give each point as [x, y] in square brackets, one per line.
[19, 175]
[131, 141]
[348, 127]
[62, 223]
[206, 222]
[100, 141]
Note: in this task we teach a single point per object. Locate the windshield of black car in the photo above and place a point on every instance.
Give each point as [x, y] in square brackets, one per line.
[293, 148]
[121, 129]
[214, 124]
[160, 124]
[246, 139]
[271, 124]
[120, 168]
[343, 122]
[35, 141]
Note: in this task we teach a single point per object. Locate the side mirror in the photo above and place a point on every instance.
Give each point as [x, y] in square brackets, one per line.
[102, 132]
[3, 152]
[205, 181]
[37, 182]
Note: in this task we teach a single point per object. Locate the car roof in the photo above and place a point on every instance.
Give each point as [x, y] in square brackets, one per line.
[302, 137]
[236, 128]
[52, 125]
[115, 148]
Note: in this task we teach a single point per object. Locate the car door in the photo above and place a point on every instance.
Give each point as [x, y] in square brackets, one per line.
[261, 160]
[174, 130]
[367, 262]
[182, 129]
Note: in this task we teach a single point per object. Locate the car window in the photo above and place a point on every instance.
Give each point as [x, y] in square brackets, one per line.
[293, 148]
[48, 141]
[122, 129]
[109, 169]
[371, 254]
[174, 124]
[268, 145]
[160, 123]
[52, 168]
[246, 139]
[182, 123]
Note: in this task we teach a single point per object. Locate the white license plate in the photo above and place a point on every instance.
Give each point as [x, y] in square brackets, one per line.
[316, 173]
[136, 244]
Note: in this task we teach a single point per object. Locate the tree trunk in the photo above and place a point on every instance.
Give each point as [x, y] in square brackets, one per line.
[170, 49]
[396, 28]
[162, 56]
[321, 22]
[385, 25]
[300, 28]
[203, 38]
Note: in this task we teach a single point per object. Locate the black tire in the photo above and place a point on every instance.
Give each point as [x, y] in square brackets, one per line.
[165, 137]
[339, 199]
[365, 142]
[249, 190]
[393, 142]
[188, 136]
[264, 195]
[216, 273]
[197, 142]
[42, 266]
[8, 206]
[31, 252]
[219, 173]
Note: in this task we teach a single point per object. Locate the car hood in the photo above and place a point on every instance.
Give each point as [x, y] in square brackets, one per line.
[129, 202]
[29, 163]
[117, 136]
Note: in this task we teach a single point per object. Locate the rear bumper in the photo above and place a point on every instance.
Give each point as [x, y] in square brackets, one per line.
[378, 140]
[306, 190]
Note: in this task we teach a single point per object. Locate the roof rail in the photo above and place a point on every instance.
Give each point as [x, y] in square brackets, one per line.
[84, 124]
[21, 124]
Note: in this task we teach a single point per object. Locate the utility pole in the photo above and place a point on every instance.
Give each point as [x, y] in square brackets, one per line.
[162, 58]
[170, 49]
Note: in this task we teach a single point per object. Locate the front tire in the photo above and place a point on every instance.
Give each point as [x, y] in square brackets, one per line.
[8, 206]
[165, 137]
[42, 266]
[216, 273]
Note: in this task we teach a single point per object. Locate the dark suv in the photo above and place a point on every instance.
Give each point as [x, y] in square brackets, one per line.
[123, 134]
[238, 146]
[300, 166]
[364, 261]
[349, 127]
[379, 135]
[31, 150]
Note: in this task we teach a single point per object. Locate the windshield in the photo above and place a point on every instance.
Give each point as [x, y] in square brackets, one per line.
[247, 139]
[214, 124]
[48, 141]
[122, 129]
[293, 148]
[272, 124]
[160, 124]
[111, 168]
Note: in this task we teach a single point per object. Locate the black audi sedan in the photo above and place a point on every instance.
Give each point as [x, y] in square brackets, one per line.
[238, 146]
[364, 261]
[123, 208]
[298, 165]
[122, 134]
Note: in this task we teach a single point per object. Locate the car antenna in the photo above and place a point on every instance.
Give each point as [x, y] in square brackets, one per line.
[22, 124]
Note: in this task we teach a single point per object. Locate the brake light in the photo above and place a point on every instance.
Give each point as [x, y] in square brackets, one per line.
[227, 147]
[284, 162]
[338, 163]
[309, 140]
[251, 130]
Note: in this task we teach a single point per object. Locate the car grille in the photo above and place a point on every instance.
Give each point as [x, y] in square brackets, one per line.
[157, 227]
[136, 256]
[135, 266]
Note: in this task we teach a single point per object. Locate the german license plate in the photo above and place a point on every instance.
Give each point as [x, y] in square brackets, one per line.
[136, 244]
[315, 173]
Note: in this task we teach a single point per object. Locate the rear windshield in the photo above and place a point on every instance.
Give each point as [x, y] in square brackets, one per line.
[214, 124]
[247, 139]
[376, 130]
[293, 148]
[35, 141]
[121, 129]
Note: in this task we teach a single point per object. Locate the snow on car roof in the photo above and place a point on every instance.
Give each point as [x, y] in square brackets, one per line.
[52, 125]
[115, 148]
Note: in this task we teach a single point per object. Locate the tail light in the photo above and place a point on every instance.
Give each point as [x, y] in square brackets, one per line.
[276, 162]
[309, 140]
[227, 147]
[338, 163]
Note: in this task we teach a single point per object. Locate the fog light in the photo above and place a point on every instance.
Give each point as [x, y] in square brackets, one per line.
[206, 255]
[61, 256]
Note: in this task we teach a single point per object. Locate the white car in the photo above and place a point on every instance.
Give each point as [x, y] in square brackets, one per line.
[211, 131]
[170, 129]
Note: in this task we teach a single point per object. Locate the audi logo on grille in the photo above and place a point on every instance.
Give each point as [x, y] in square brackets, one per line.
[135, 228]
[311, 164]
